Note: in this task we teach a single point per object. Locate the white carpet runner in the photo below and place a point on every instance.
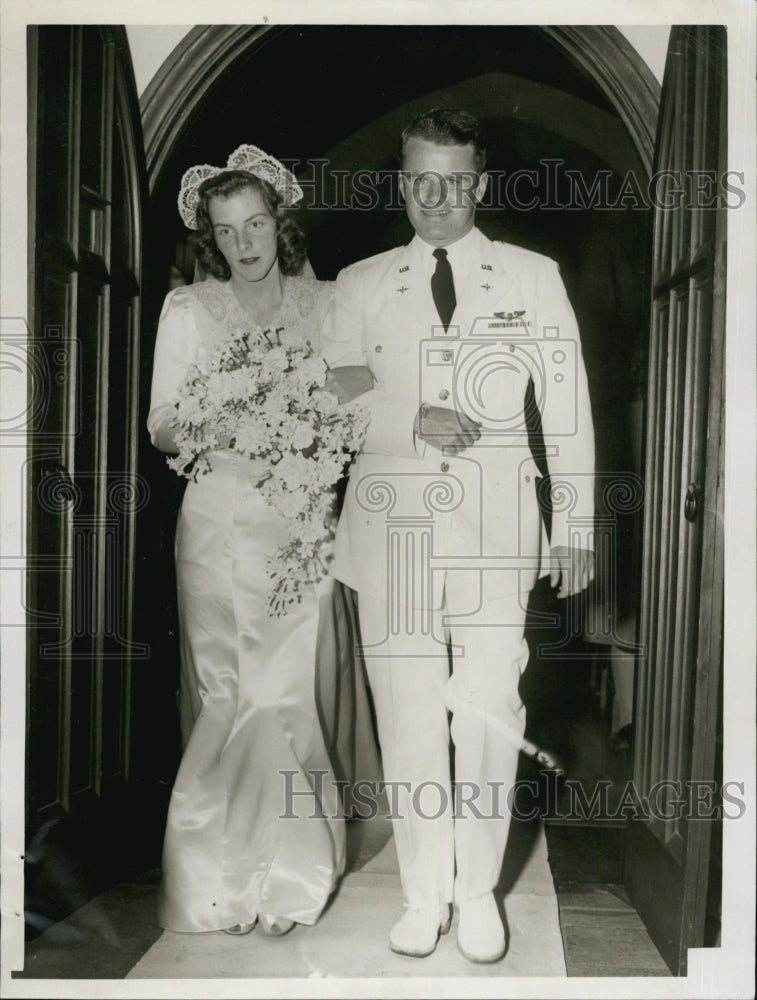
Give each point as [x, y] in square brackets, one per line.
[351, 938]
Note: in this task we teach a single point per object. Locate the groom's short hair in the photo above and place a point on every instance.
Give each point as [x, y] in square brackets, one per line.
[447, 127]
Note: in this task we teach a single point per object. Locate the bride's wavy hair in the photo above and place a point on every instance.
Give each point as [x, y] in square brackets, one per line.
[290, 239]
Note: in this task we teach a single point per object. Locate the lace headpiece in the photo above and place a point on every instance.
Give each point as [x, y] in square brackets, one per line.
[249, 158]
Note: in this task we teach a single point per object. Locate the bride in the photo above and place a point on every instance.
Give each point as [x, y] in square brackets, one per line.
[248, 713]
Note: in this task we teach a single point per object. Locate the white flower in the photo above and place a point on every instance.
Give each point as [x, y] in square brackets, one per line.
[314, 369]
[277, 359]
[328, 403]
[302, 437]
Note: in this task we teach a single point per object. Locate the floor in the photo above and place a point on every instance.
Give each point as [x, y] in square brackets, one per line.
[115, 936]
[602, 933]
[566, 911]
[561, 882]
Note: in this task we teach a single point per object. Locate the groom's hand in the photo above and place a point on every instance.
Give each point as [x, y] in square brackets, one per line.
[572, 568]
[446, 430]
[349, 382]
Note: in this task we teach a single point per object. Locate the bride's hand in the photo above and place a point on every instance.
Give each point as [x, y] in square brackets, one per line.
[349, 382]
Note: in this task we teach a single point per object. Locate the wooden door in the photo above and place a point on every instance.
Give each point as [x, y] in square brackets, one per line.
[87, 188]
[667, 858]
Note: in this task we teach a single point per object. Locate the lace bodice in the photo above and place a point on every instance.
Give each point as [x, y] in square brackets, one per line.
[195, 318]
[301, 314]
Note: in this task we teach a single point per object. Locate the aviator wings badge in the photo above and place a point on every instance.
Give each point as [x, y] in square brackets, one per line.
[511, 315]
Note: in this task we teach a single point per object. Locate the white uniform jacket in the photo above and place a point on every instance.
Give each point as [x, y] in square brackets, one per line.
[512, 322]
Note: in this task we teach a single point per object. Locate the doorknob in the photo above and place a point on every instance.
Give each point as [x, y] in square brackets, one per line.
[691, 503]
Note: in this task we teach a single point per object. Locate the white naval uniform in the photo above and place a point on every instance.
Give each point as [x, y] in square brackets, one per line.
[446, 548]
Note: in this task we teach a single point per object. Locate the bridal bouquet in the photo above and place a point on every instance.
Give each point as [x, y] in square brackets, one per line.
[268, 400]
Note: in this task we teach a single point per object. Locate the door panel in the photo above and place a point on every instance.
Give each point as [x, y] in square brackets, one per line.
[667, 858]
[87, 193]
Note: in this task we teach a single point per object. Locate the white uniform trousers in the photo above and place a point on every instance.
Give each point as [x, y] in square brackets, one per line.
[447, 837]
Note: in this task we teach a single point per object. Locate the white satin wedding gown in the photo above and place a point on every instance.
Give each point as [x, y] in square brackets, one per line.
[238, 842]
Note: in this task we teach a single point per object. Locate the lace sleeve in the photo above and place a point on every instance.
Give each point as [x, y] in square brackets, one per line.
[175, 349]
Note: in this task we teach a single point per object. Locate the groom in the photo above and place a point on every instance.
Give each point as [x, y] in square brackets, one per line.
[441, 534]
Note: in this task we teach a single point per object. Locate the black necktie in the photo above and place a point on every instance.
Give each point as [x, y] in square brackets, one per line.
[443, 287]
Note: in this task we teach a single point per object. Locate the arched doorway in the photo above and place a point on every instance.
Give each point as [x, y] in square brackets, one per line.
[560, 103]
[339, 93]
[189, 76]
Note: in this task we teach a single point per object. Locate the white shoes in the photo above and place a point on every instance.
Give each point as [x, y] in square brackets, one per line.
[270, 925]
[240, 929]
[480, 933]
[417, 932]
[275, 926]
